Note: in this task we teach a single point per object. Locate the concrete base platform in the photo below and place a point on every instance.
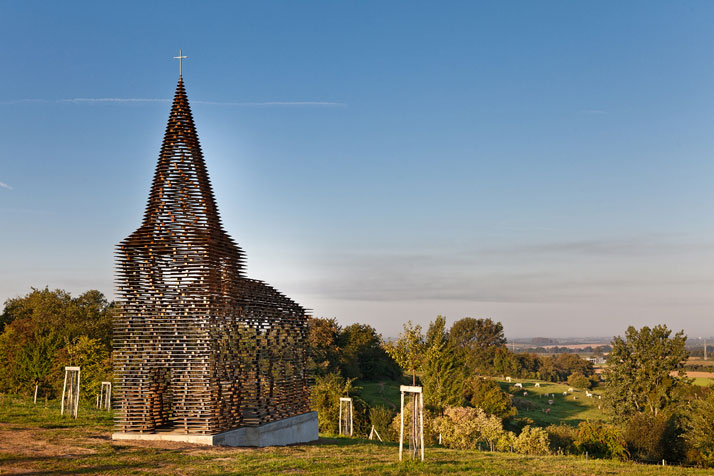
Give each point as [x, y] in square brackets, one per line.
[297, 429]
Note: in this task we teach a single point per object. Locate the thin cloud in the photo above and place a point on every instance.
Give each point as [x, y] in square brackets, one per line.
[162, 100]
[4, 185]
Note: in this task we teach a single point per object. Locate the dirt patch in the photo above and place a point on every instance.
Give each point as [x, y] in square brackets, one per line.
[697, 374]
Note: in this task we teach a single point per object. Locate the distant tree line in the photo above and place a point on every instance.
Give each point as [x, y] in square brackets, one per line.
[597, 350]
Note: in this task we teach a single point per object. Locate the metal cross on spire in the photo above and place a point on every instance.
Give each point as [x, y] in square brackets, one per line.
[180, 57]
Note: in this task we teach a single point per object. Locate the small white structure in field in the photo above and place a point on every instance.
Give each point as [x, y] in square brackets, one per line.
[525, 394]
[565, 394]
[588, 394]
[537, 384]
[70, 395]
[104, 399]
[570, 390]
[550, 402]
[346, 416]
[508, 379]
[416, 438]
[519, 385]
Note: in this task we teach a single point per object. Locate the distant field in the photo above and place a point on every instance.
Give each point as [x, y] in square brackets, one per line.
[35, 440]
[570, 409]
[701, 381]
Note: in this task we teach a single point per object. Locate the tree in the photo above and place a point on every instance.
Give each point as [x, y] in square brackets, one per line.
[323, 350]
[479, 340]
[363, 355]
[40, 327]
[487, 395]
[644, 371]
[478, 333]
[443, 375]
[408, 350]
[579, 380]
[35, 360]
[700, 429]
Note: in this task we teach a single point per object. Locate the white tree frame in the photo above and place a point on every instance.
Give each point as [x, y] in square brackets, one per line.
[70, 395]
[346, 402]
[417, 423]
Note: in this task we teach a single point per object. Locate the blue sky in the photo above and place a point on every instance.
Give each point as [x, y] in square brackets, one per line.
[546, 164]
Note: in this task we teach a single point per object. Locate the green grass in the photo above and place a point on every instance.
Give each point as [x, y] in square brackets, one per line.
[36, 440]
[703, 381]
[385, 394]
[570, 409]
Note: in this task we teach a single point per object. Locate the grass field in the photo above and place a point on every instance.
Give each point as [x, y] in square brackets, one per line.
[35, 440]
[570, 409]
[385, 394]
[703, 381]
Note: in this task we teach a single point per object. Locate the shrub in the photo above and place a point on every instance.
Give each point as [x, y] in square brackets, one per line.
[652, 438]
[381, 418]
[428, 425]
[601, 440]
[325, 398]
[466, 428]
[532, 441]
[562, 438]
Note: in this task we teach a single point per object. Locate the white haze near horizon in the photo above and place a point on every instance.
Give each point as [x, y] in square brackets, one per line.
[585, 288]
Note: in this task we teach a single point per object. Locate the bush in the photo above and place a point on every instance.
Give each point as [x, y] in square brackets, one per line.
[381, 418]
[396, 421]
[532, 441]
[466, 428]
[562, 438]
[325, 398]
[653, 439]
[601, 441]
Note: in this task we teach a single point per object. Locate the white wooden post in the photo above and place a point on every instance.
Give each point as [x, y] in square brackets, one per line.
[401, 428]
[421, 423]
[64, 386]
[34, 401]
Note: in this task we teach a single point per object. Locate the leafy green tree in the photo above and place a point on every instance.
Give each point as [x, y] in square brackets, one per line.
[443, 375]
[579, 380]
[700, 429]
[487, 395]
[363, 355]
[408, 350]
[644, 371]
[93, 358]
[323, 349]
[479, 340]
[38, 330]
[478, 333]
[36, 359]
